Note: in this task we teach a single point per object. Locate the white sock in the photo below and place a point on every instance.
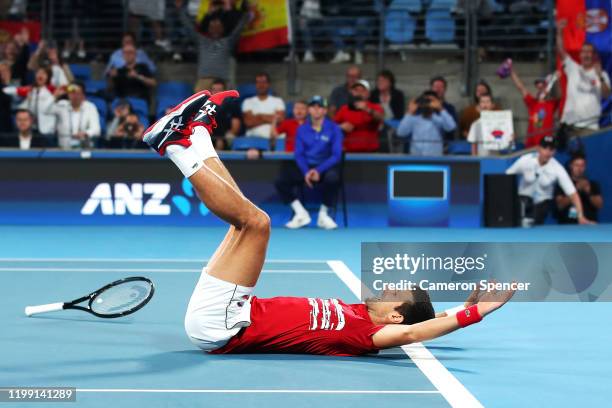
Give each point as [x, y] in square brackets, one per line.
[201, 140]
[323, 209]
[298, 208]
[187, 159]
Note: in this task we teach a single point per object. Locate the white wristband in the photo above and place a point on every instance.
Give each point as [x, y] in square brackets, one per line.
[454, 310]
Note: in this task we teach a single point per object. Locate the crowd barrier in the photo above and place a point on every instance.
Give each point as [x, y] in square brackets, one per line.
[127, 188]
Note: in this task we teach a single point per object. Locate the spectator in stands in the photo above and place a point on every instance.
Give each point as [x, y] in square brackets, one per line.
[471, 113]
[540, 109]
[262, 111]
[78, 121]
[539, 173]
[133, 79]
[25, 137]
[310, 21]
[6, 101]
[425, 123]
[47, 55]
[341, 94]
[215, 47]
[117, 61]
[129, 133]
[318, 152]
[228, 119]
[439, 85]
[288, 127]
[155, 10]
[16, 53]
[360, 120]
[122, 109]
[588, 190]
[226, 11]
[587, 84]
[38, 98]
[388, 96]
[475, 135]
[349, 19]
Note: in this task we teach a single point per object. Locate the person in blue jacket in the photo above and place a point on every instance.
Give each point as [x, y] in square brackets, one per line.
[318, 152]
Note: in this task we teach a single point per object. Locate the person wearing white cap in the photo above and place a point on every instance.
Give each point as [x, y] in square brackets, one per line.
[360, 120]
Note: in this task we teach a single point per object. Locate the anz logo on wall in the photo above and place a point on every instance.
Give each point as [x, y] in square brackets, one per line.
[142, 199]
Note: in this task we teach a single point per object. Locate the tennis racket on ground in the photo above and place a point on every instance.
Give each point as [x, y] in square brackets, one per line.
[119, 298]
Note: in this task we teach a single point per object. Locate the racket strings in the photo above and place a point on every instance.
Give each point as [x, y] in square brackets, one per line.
[121, 298]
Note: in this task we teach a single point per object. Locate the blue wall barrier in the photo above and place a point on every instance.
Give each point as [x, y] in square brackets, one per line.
[119, 187]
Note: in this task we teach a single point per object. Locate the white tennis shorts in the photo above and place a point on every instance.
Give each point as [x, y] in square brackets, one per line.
[216, 312]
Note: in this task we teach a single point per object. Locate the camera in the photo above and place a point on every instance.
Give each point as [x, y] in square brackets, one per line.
[130, 128]
[352, 100]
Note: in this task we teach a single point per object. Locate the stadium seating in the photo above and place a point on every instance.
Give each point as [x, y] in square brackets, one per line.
[439, 23]
[251, 142]
[82, 72]
[280, 144]
[459, 147]
[176, 89]
[139, 106]
[399, 23]
[94, 86]
[165, 102]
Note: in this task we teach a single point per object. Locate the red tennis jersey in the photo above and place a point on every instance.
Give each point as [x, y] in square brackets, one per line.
[305, 326]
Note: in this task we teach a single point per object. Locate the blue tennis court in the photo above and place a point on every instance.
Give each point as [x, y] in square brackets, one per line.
[526, 354]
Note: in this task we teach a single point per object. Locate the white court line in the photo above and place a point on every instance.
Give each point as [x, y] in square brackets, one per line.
[254, 391]
[147, 260]
[152, 270]
[449, 386]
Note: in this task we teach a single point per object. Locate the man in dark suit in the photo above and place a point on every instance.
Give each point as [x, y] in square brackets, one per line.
[25, 137]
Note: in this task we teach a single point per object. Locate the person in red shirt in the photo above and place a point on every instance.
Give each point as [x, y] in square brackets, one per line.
[360, 120]
[224, 317]
[289, 127]
[541, 109]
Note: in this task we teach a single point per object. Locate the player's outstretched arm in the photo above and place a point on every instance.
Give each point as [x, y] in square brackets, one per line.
[394, 335]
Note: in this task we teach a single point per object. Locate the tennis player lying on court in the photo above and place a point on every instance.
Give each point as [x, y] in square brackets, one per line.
[224, 317]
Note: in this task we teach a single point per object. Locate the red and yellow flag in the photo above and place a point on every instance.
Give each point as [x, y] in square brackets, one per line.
[268, 27]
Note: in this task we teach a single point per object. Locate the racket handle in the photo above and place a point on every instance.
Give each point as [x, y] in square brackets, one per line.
[51, 307]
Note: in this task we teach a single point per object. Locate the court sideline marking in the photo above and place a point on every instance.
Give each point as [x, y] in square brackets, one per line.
[253, 391]
[449, 386]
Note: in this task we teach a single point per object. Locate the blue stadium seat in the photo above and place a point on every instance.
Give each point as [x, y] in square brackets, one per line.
[399, 23]
[251, 142]
[165, 102]
[246, 91]
[139, 106]
[394, 123]
[289, 109]
[102, 107]
[94, 86]
[460, 147]
[411, 6]
[439, 23]
[280, 144]
[180, 90]
[81, 72]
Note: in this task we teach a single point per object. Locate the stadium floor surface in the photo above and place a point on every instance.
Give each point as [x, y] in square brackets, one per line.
[526, 354]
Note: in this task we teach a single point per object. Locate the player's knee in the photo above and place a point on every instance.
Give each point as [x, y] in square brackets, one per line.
[259, 221]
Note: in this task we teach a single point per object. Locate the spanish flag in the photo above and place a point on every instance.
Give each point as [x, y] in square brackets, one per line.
[268, 27]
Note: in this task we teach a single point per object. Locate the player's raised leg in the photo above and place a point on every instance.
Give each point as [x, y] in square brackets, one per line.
[240, 257]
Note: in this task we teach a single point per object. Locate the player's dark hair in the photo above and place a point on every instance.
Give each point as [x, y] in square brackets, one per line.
[418, 309]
